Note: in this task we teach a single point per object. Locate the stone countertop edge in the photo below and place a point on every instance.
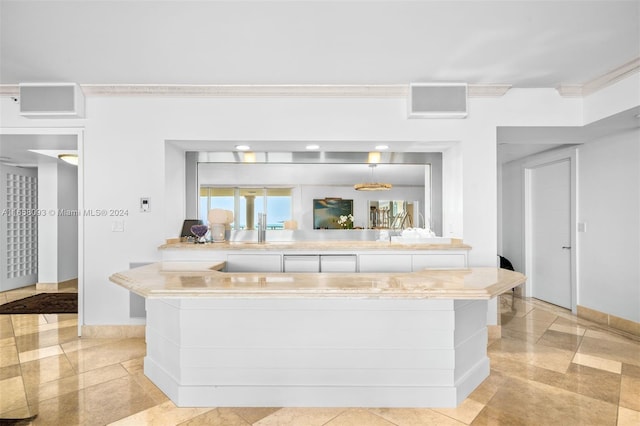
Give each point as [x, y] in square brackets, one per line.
[459, 284]
[456, 244]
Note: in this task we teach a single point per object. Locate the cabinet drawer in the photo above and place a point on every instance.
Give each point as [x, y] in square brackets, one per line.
[338, 263]
[301, 263]
[385, 263]
[443, 261]
[254, 263]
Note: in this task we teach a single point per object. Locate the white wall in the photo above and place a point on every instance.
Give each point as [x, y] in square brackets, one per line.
[620, 96]
[512, 214]
[48, 224]
[67, 224]
[609, 205]
[175, 181]
[57, 232]
[125, 158]
[452, 199]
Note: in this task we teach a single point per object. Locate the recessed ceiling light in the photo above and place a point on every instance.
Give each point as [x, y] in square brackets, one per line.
[243, 147]
[382, 147]
[312, 146]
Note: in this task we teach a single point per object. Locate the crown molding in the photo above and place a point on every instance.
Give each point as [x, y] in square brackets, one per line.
[258, 91]
[599, 83]
[325, 91]
[9, 90]
[487, 90]
[611, 77]
[245, 91]
[570, 90]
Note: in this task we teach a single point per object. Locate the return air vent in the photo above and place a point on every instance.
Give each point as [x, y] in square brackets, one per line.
[51, 100]
[437, 100]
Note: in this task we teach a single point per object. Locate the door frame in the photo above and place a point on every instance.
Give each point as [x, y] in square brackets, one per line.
[527, 169]
[78, 132]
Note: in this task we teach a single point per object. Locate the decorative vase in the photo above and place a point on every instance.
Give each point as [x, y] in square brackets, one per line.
[217, 232]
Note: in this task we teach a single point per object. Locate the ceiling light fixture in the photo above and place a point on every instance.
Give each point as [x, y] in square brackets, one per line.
[69, 158]
[382, 147]
[372, 186]
[312, 146]
[243, 147]
[374, 157]
[249, 157]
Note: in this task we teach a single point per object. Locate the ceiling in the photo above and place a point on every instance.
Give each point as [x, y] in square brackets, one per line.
[15, 149]
[528, 44]
[518, 142]
[521, 43]
[299, 145]
[311, 174]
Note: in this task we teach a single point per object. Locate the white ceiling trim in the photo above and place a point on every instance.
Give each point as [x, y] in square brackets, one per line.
[248, 91]
[598, 83]
[326, 91]
[253, 91]
[9, 90]
[570, 90]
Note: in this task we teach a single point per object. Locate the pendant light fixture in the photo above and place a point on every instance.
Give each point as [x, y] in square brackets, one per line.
[372, 186]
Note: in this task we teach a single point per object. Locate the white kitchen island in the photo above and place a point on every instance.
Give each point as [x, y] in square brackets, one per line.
[414, 339]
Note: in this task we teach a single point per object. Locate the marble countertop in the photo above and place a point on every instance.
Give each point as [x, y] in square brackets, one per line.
[455, 244]
[204, 279]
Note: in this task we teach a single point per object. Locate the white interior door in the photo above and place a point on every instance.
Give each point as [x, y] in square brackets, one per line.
[551, 233]
[19, 230]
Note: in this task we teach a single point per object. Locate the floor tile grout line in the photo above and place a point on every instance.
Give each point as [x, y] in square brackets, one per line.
[82, 389]
[379, 416]
[619, 397]
[565, 390]
[332, 418]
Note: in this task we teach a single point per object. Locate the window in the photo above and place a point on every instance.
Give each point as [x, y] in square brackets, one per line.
[247, 203]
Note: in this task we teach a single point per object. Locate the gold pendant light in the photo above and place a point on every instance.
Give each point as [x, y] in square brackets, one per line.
[372, 186]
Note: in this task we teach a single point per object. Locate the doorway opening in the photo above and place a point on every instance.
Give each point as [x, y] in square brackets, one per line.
[46, 198]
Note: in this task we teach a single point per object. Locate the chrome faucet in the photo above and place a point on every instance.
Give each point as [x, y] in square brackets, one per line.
[262, 227]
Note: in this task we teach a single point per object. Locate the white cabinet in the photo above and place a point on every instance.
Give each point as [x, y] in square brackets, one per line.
[338, 263]
[320, 263]
[301, 263]
[315, 261]
[435, 261]
[385, 263]
[254, 263]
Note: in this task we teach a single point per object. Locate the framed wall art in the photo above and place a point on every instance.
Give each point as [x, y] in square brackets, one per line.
[332, 213]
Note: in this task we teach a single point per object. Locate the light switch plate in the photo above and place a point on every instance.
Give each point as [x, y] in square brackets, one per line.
[117, 226]
[582, 227]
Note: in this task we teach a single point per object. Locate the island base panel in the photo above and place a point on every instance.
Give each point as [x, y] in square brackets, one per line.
[316, 396]
[320, 352]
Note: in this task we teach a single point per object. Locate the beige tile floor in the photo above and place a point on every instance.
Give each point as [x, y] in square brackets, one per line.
[549, 368]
